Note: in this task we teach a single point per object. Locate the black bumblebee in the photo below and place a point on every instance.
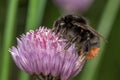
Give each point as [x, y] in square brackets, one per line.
[77, 30]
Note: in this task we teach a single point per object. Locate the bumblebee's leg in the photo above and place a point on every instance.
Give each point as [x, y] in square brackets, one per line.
[86, 47]
[72, 40]
[67, 45]
[62, 32]
[82, 50]
[80, 59]
[56, 29]
[76, 38]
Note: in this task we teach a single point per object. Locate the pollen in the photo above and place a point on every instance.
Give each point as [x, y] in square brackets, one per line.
[93, 52]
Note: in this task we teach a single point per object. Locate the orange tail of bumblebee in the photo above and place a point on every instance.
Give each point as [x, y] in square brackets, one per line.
[93, 52]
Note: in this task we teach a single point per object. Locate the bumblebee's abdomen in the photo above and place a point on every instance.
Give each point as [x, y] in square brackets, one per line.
[92, 53]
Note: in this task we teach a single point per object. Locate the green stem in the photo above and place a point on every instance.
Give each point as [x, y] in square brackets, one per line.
[8, 34]
[104, 28]
[35, 13]
[34, 19]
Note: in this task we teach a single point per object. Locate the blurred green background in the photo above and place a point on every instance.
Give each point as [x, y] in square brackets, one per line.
[19, 16]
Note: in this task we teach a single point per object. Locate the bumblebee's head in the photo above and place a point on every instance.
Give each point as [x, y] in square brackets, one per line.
[69, 20]
[73, 19]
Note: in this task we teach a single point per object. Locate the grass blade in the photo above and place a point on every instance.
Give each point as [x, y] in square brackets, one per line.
[8, 34]
[35, 13]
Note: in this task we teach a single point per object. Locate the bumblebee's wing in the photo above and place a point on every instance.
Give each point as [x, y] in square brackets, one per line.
[80, 25]
[87, 27]
[95, 32]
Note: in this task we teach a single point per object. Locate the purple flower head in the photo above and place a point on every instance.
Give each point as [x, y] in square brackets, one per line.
[40, 52]
[73, 6]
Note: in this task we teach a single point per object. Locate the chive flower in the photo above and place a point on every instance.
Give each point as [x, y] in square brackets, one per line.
[73, 6]
[42, 54]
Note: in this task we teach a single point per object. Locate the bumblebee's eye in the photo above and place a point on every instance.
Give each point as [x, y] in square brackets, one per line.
[62, 24]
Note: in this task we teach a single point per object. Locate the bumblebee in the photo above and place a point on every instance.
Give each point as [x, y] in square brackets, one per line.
[77, 30]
